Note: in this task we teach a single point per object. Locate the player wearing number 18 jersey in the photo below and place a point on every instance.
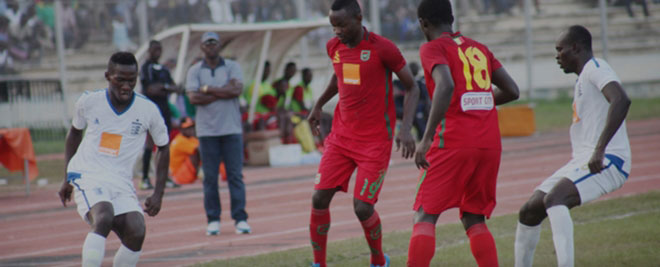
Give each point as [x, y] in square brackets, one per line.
[462, 139]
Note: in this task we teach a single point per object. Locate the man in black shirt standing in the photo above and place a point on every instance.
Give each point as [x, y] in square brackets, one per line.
[157, 84]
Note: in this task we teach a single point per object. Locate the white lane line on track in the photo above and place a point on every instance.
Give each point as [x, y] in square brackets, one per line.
[254, 236]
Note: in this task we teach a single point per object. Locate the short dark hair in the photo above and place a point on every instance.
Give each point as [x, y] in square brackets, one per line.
[578, 34]
[290, 64]
[306, 70]
[266, 63]
[122, 58]
[154, 42]
[436, 12]
[351, 6]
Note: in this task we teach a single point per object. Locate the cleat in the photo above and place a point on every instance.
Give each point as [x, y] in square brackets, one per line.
[387, 262]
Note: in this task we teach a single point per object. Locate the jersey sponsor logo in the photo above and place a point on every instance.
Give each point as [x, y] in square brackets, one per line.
[96, 121]
[365, 55]
[351, 73]
[110, 144]
[335, 59]
[317, 180]
[576, 118]
[477, 101]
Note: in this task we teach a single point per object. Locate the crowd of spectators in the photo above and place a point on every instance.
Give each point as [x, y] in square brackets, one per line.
[27, 27]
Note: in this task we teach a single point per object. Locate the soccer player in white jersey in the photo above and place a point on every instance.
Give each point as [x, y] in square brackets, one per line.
[601, 159]
[116, 121]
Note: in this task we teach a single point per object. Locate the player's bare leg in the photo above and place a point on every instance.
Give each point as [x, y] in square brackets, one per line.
[558, 201]
[540, 205]
[100, 218]
[528, 231]
[482, 243]
[372, 230]
[130, 228]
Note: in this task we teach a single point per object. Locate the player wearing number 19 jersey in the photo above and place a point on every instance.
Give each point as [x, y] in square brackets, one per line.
[460, 150]
[363, 125]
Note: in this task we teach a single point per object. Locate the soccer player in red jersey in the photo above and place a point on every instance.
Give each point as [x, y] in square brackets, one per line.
[461, 148]
[362, 127]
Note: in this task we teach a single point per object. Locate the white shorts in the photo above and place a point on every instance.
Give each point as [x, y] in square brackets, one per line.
[590, 186]
[88, 192]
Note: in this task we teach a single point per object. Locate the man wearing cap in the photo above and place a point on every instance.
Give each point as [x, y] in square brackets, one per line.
[214, 85]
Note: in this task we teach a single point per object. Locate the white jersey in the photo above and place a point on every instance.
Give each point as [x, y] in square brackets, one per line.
[113, 140]
[590, 109]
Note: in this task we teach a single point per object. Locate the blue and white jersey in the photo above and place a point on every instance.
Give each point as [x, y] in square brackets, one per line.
[113, 140]
[590, 109]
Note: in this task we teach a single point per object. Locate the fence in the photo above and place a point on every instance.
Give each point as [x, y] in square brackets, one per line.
[37, 104]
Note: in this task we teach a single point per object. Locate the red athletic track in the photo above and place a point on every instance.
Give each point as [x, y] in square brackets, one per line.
[37, 230]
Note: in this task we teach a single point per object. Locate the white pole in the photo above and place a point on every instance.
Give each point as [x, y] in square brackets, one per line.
[142, 17]
[26, 170]
[59, 40]
[454, 26]
[374, 16]
[181, 57]
[304, 50]
[603, 26]
[260, 70]
[529, 54]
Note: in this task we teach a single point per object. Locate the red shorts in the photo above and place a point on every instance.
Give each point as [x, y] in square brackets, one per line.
[343, 155]
[462, 177]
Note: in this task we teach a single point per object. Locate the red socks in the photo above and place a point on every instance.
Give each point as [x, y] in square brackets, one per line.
[373, 233]
[318, 232]
[482, 245]
[422, 245]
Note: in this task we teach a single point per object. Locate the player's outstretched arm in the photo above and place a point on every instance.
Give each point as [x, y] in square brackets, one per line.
[409, 108]
[442, 94]
[314, 116]
[507, 89]
[619, 105]
[73, 140]
[153, 203]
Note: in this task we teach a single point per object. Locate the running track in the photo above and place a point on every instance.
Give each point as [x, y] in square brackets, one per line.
[37, 230]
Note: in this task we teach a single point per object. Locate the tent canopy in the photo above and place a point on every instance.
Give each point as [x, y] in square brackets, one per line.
[249, 44]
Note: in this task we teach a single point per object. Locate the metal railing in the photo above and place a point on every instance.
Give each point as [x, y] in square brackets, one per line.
[37, 104]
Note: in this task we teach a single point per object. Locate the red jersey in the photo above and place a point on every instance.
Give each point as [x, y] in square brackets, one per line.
[471, 120]
[365, 110]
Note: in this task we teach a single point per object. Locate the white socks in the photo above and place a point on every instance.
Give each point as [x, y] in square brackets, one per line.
[93, 250]
[526, 239]
[562, 234]
[126, 257]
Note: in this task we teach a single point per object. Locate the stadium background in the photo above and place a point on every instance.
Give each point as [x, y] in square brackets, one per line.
[31, 96]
